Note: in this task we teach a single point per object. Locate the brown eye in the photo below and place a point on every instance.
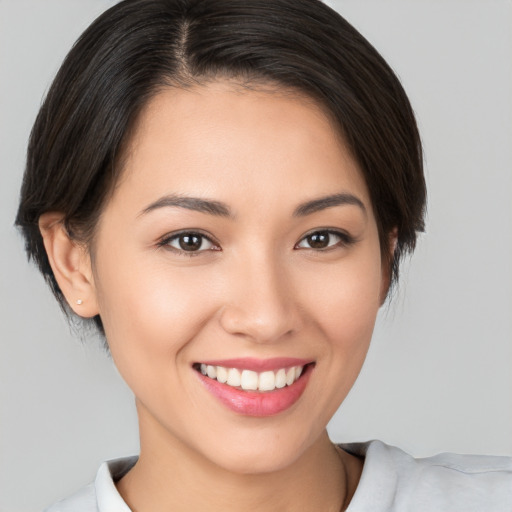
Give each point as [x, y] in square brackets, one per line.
[319, 240]
[189, 242]
[324, 239]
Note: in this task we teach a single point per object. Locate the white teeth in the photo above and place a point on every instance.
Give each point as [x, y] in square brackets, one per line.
[233, 377]
[211, 371]
[249, 380]
[267, 381]
[281, 378]
[222, 374]
[252, 381]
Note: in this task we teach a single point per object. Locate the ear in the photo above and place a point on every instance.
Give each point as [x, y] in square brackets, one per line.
[386, 265]
[71, 265]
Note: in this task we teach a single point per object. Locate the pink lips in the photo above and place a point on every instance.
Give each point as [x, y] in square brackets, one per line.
[257, 403]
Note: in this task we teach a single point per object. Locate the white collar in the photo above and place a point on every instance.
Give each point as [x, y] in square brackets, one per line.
[107, 495]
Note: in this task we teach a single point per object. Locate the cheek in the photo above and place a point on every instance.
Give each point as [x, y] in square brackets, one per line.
[150, 312]
[347, 298]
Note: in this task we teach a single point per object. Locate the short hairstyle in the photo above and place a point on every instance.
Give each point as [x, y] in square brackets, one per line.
[138, 47]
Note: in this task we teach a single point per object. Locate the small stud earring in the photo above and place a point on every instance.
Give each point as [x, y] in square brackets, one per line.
[79, 302]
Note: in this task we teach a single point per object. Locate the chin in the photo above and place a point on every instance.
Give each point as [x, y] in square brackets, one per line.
[262, 452]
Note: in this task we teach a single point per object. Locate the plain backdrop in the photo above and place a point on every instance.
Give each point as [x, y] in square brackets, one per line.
[438, 376]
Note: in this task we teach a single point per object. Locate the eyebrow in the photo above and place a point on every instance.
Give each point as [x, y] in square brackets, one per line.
[190, 203]
[322, 203]
[220, 209]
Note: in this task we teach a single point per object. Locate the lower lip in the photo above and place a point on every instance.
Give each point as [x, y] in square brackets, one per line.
[254, 403]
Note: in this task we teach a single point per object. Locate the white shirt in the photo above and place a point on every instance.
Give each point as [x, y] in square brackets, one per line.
[392, 481]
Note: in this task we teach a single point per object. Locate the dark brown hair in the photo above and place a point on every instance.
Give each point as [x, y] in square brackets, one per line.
[139, 46]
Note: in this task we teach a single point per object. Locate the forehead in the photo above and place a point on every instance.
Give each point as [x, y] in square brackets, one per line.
[224, 140]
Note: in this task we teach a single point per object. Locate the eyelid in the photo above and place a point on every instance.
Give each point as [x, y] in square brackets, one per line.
[345, 238]
[165, 240]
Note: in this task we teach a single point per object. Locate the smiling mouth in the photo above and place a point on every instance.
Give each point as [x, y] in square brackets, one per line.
[249, 380]
[256, 387]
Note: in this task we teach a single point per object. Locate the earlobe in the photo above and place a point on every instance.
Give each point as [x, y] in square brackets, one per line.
[71, 265]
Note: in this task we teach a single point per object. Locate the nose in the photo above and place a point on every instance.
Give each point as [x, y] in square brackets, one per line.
[260, 305]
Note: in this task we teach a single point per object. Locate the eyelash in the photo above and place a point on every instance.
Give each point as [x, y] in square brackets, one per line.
[166, 241]
[346, 240]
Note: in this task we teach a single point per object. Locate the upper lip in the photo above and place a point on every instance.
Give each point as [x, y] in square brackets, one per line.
[258, 365]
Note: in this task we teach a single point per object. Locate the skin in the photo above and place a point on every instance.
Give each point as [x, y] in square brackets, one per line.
[257, 290]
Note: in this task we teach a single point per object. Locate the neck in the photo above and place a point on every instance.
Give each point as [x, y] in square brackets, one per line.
[172, 476]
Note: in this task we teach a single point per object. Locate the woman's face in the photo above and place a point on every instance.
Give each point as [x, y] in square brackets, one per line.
[240, 241]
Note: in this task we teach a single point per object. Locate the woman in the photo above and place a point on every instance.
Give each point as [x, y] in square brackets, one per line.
[225, 190]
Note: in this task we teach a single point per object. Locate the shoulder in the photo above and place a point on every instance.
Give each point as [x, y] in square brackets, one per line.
[102, 495]
[395, 481]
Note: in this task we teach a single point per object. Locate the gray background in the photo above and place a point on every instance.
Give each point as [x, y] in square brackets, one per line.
[438, 374]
